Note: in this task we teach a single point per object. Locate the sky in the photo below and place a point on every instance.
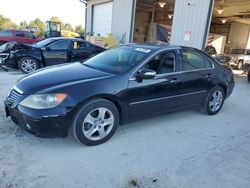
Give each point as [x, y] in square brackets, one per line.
[69, 11]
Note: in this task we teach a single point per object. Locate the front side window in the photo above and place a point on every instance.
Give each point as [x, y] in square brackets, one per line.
[29, 35]
[162, 63]
[118, 60]
[193, 60]
[80, 45]
[60, 45]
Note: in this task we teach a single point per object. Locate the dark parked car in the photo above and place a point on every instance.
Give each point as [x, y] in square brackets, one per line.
[122, 84]
[52, 51]
[10, 35]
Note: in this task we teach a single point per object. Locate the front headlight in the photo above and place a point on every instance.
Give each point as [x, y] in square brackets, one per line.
[43, 101]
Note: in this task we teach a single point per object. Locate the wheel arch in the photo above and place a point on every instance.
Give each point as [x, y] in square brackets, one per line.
[40, 63]
[108, 97]
[223, 86]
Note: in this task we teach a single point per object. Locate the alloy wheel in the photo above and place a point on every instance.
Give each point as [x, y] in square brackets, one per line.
[28, 65]
[98, 124]
[216, 101]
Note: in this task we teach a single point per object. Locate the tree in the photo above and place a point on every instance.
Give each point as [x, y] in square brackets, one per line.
[6, 23]
[79, 29]
[39, 25]
[23, 25]
[68, 27]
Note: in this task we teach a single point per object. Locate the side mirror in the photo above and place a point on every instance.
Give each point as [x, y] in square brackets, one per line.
[145, 74]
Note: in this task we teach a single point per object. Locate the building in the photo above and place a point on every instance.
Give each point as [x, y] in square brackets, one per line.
[185, 22]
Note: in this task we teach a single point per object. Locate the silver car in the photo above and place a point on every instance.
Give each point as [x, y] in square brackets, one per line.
[239, 57]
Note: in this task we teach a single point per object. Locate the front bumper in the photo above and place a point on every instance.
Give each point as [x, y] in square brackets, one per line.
[38, 123]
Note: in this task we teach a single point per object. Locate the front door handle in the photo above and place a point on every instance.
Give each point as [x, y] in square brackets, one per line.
[208, 75]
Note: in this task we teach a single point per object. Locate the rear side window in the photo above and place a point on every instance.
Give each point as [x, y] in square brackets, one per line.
[6, 33]
[80, 45]
[19, 34]
[60, 45]
[193, 60]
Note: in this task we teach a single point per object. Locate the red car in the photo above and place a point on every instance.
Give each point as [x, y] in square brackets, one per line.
[9, 35]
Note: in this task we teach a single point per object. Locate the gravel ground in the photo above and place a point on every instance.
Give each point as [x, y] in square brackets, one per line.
[182, 149]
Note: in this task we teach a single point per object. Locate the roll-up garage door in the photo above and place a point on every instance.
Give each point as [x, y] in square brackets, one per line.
[102, 18]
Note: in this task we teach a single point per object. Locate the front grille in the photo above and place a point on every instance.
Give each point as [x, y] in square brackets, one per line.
[13, 96]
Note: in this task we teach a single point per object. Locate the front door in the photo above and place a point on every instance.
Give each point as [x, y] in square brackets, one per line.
[56, 53]
[158, 95]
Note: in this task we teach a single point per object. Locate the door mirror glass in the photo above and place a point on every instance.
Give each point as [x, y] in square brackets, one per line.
[145, 74]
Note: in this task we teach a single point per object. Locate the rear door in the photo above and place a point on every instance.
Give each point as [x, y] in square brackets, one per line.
[81, 50]
[196, 73]
[57, 52]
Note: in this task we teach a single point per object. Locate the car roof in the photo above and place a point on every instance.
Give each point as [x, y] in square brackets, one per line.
[14, 30]
[158, 46]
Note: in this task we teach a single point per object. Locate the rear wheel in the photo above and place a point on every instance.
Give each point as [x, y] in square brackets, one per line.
[214, 101]
[248, 75]
[28, 64]
[95, 122]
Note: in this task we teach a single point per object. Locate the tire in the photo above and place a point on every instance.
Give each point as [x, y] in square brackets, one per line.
[28, 64]
[95, 122]
[240, 65]
[248, 75]
[214, 101]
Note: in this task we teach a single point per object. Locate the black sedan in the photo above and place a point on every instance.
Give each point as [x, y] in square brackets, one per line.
[52, 51]
[122, 84]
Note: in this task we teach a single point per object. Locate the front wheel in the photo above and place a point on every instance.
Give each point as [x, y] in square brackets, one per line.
[28, 64]
[240, 65]
[95, 122]
[214, 101]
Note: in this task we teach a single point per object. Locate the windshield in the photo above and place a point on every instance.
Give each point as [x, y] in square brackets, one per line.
[43, 43]
[118, 60]
[237, 51]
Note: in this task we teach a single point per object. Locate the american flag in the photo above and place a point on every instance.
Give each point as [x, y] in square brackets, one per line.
[162, 33]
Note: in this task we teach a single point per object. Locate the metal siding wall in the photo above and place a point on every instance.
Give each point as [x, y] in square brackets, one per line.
[192, 18]
[89, 19]
[122, 21]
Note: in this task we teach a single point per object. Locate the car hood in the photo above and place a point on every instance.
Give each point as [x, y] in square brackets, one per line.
[13, 46]
[57, 76]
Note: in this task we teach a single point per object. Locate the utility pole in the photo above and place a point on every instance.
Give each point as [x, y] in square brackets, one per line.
[86, 4]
